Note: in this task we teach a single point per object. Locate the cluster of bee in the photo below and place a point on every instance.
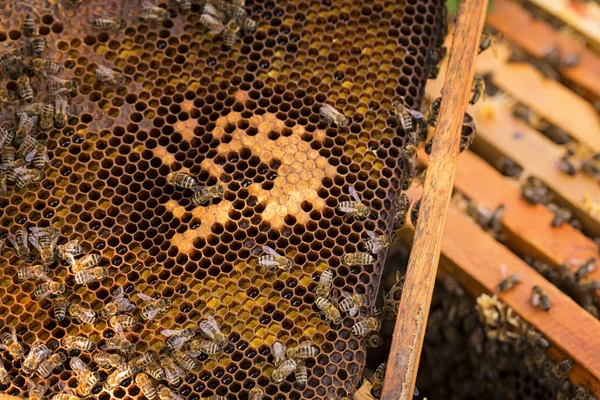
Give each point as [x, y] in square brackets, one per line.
[488, 220]
[202, 195]
[580, 158]
[229, 19]
[292, 361]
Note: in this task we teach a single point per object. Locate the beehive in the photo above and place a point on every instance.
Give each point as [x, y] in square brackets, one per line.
[248, 118]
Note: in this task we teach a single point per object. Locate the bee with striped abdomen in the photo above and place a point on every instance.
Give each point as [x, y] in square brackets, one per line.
[82, 314]
[85, 263]
[49, 288]
[376, 243]
[176, 338]
[146, 386]
[10, 343]
[257, 393]
[301, 373]
[45, 66]
[273, 260]
[49, 365]
[44, 240]
[61, 304]
[24, 88]
[155, 371]
[205, 346]
[164, 393]
[351, 303]
[305, 349]
[354, 208]
[86, 379]
[205, 194]
[57, 86]
[68, 251]
[20, 243]
[405, 116]
[29, 28]
[37, 272]
[182, 180]
[90, 275]
[5, 377]
[323, 288]
[26, 177]
[540, 299]
[122, 372]
[478, 89]
[562, 368]
[150, 12]
[39, 155]
[107, 22]
[108, 360]
[402, 204]
[118, 304]
[378, 378]
[36, 391]
[38, 353]
[183, 360]
[173, 373]
[38, 45]
[121, 322]
[367, 326]
[119, 343]
[586, 268]
[285, 369]
[333, 116]
[8, 154]
[143, 360]
[230, 34]
[67, 395]
[329, 310]
[154, 307]
[357, 259]
[105, 74]
[60, 107]
[81, 343]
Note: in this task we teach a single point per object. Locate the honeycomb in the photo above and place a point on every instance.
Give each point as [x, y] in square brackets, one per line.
[247, 118]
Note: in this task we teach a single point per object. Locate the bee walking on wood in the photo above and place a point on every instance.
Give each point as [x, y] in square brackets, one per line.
[508, 281]
[586, 268]
[378, 379]
[354, 208]
[324, 286]
[478, 89]
[540, 299]
[205, 194]
[562, 368]
[272, 260]
[154, 307]
[333, 116]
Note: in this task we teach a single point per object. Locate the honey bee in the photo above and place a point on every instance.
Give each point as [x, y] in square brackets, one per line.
[329, 310]
[154, 308]
[414, 212]
[248, 25]
[37, 272]
[36, 391]
[366, 326]
[8, 154]
[279, 352]
[588, 285]
[561, 215]
[20, 243]
[44, 240]
[57, 86]
[49, 288]
[45, 66]
[6, 136]
[258, 394]
[378, 378]
[38, 45]
[508, 167]
[301, 373]
[210, 8]
[207, 347]
[376, 243]
[305, 349]
[26, 177]
[118, 304]
[214, 24]
[285, 369]
[108, 360]
[391, 299]
[405, 115]
[120, 322]
[184, 5]
[119, 343]
[535, 338]
[509, 281]
[27, 145]
[562, 368]
[49, 365]
[24, 88]
[78, 343]
[566, 165]
[155, 371]
[37, 354]
[205, 194]
[540, 299]
[151, 12]
[357, 258]
[86, 379]
[39, 155]
[354, 208]
[535, 192]
[272, 260]
[478, 89]
[46, 116]
[182, 180]
[68, 251]
[82, 314]
[183, 360]
[230, 34]
[487, 40]
[60, 116]
[107, 22]
[5, 377]
[67, 395]
[142, 360]
[333, 116]
[13, 170]
[29, 28]
[324, 286]
[10, 343]
[586, 268]
[402, 204]
[176, 338]
[90, 275]
[435, 56]
[211, 330]
[351, 303]
[173, 373]
[3, 189]
[122, 372]
[146, 386]
[164, 393]
[105, 74]
[85, 263]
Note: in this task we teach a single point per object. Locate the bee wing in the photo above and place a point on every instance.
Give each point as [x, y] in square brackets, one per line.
[193, 353]
[34, 242]
[54, 78]
[145, 297]
[376, 247]
[278, 349]
[372, 235]
[45, 277]
[45, 156]
[270, 251]
[118, 292]
[119, 330]
[346, 294]
[148, 4]
[30, 155]
[353, 311]
[353, 193]
[55, 238]
[170, 332]
[503, 271]
[416, 114]
[213, 322]
[13, 240]
[535, 299]
[153, 313]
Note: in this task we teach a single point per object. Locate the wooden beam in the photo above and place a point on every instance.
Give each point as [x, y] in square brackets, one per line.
[422, 267]
[537, 38]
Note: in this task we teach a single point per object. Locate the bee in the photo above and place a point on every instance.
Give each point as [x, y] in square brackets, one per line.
[155, 371]
[27, 145]
[118, 304]
[184, 5]
[434, 110]
[435, 56]
[405, 115]
[151, 12]
[586, 268]
[487, 40]
[508, 281]
[122, 372]
[414, 212]
[67, 395]
[37, 354]
[38, 45]
[301, 373]
[6, 136]
[68, 251]
[46, 116]
[107, 22]
[108, 360]
[3, 189]
[5, 377]
[279, 352]
[173, 373]
[60, 116]
[26, 177]
[230, 33]
[205, 194]
[402, 203]
[104, 74]
[351, 303]
[540, 299]
[57, 86]
[561, 215]
[324, 286]
[211, 330]
[258, 394]
[14, 169]
[535, 338]
[566, 165]
[378, 378]
[183, 360]
[478, 89]
[176, 338]
[10, 343]
[8, 154]
[164, 393]
[272, 260]
[119, 343]
[82, 314]
[207, 347]
[85, 263]
[508, 167]
[376, 243]
[44, 240]
[90, 275]
[305, 349]
[284, 370]
[154, 308]
[78, 343]
[391, 299]
[86, 379]
[588, 285]
[49, 365]
[182, 180]
[366, 326]
[354, 208]
[248, 25]
[24, 88]
[562, 368]
[49, 288]
[333, 116]
[142, 360]
[357, 258]
[329, 310]
[39, 155]
[29, 28]
[36, 391]
[37, 272]
[120, 322]
[146, 386]
[214, 24]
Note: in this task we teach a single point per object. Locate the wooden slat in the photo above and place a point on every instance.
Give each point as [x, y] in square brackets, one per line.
[582, 16]
[538, 38]
[409, 330]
